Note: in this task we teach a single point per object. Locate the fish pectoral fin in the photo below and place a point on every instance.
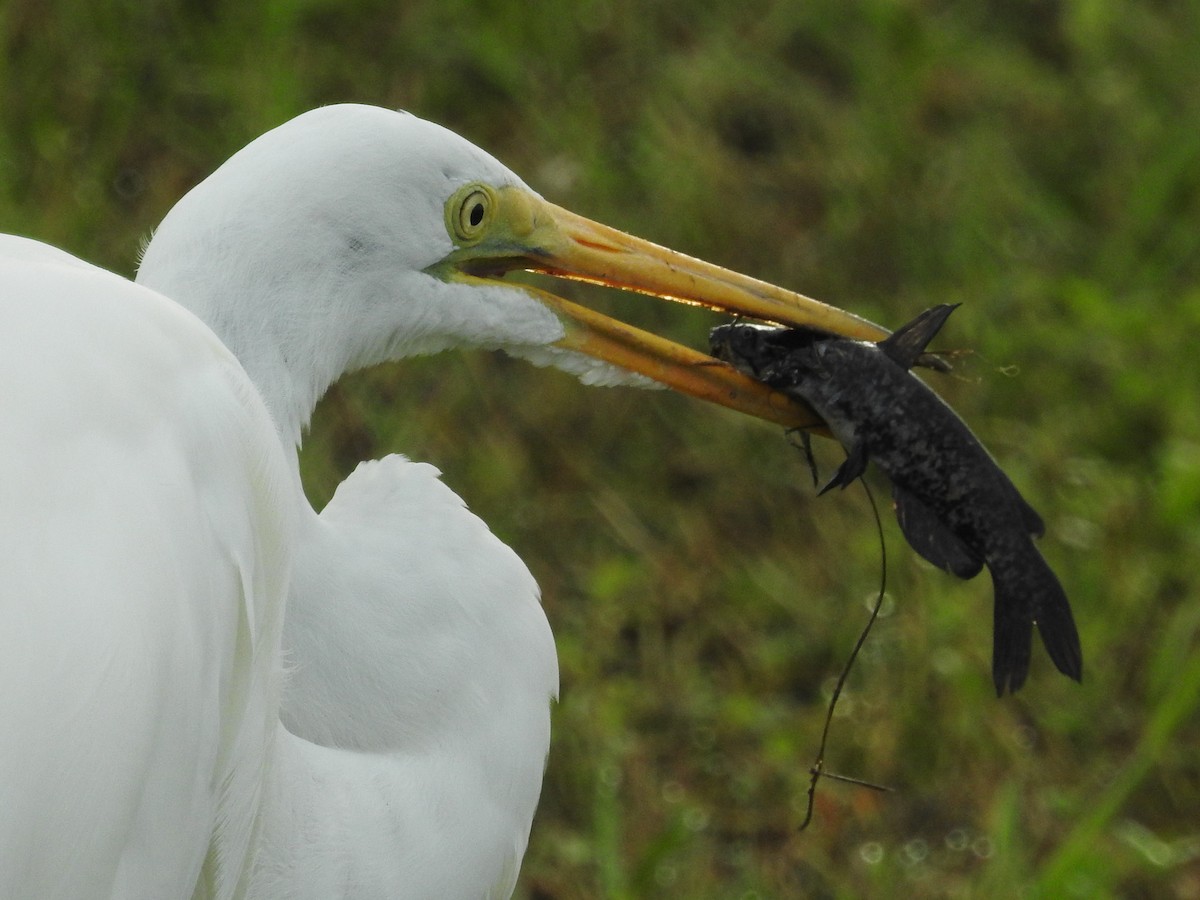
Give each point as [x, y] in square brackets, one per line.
[932, 539]
[906, 344]
[852, 468]
[805, 447]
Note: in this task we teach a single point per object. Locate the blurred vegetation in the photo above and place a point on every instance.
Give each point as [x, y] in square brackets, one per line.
[1038, 161]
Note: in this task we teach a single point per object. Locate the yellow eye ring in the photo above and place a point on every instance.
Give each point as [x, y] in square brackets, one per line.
[469, 212]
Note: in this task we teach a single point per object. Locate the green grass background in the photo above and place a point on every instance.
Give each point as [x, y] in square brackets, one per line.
[1037, 161]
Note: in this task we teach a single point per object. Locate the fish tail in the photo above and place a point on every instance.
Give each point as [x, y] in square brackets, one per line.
[1056, 625]
[1032, 595]
[1012, 638]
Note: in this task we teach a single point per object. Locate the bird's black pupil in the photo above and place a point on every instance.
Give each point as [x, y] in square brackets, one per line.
[476, 213]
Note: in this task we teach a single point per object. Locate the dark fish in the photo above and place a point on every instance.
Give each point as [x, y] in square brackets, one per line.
[954, 504]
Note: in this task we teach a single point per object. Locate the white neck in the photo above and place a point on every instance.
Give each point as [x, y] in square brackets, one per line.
[285, 324]
[417, 708]
[338, 824]
[421, 666]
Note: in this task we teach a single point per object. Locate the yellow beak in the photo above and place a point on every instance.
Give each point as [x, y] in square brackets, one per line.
[523, 231]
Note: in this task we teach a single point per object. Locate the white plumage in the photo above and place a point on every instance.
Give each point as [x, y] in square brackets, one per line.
[146, 520]
[167, 731]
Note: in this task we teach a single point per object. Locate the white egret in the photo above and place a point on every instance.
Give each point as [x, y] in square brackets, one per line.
[206, 688]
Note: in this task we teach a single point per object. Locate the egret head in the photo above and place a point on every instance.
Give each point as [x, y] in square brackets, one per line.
[352, 235]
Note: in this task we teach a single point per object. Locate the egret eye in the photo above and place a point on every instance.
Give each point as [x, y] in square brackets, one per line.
[470, 211]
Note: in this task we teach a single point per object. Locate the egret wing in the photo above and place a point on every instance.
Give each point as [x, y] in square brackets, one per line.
[142, 566]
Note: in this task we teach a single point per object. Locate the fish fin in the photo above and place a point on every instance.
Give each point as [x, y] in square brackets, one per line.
[1056, 625]
[852, 468]
[932, 539]
[805, 447]
[806, 443]
[1029, 595]
[1012, 640]
[1033, 522]
[906, 344]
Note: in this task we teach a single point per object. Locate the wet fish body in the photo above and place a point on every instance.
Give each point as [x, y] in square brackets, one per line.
[954, 504]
